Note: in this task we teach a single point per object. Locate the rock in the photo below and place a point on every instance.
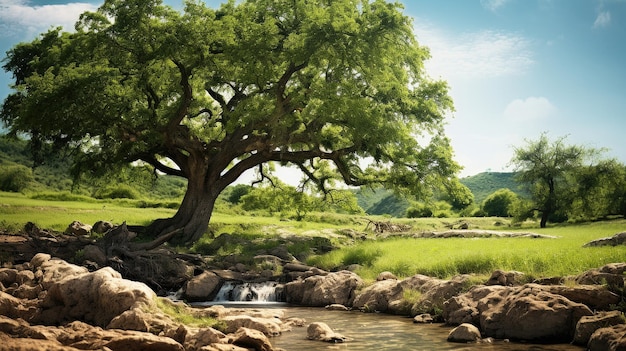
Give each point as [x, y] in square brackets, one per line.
[386, 276]
[322, 332]
[95, 297]
[101, 227]
[587, 325]
[194, 340]
[464, 308]
[608, 339]
[500, 277]
[140, 320]
[55, 269]
[615, 240]
[614, 268]
[389, 295]
[423, 318]
[336, 307]
[251, 339]
[79, 229]
[296, 267]
[267, 326]
[611, 274]
[322, 290]
[595, 296]
[464, 333]
[531, 315]
[202, 287]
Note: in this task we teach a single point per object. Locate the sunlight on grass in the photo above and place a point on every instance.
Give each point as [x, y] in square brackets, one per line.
[447, 257]
[403, 255]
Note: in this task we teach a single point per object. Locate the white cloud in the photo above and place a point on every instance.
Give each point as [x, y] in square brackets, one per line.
[529, 109]
[482, 54]
[493, 5]
[602, 20]
[20, 18]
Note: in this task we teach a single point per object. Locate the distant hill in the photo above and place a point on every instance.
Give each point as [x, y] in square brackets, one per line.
[483, 184]
[381, 202]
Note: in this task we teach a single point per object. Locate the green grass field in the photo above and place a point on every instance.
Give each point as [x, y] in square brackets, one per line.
[404, 256]
[447, 257]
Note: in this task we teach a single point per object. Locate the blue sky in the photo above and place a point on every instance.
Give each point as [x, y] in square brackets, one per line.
[516, 68]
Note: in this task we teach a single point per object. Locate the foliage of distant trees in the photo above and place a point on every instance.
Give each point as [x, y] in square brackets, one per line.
[568, 181]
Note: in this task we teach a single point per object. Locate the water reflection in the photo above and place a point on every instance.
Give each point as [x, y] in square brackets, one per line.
[384, 332]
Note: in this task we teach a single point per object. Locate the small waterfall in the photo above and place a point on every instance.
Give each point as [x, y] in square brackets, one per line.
[249, 292]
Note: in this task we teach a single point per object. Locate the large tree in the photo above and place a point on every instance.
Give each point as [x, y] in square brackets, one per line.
[336, 88]
[550, 169]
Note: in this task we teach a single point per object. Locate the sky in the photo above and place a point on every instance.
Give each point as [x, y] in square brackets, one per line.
[516, 68]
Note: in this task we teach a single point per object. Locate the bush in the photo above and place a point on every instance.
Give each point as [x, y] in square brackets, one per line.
[500, 203]
[15, 178]
[419, 211]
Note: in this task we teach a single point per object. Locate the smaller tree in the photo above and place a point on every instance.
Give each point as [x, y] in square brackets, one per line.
[15, 178]
[500, 203]
[549, 170]
[458, 195]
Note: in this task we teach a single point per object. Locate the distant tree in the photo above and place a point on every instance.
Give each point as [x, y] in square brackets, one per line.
[549, 169]
[500, 203]
[15, 178]
[600, 190]
[207, 94]
[237, 191]
[458, 195]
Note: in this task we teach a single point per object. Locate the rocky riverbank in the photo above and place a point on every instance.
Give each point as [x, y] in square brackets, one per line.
[48, 303]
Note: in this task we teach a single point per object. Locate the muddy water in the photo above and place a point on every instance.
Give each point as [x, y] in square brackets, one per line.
[370, 331]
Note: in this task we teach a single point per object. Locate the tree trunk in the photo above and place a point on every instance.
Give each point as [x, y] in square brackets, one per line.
[192, 219]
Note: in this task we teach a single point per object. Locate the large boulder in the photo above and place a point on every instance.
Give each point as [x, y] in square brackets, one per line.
[611, 275]
[202, 287]
[95, 298]
[393, 296]
[467, 307]
[527, 313]
[587, 325]
[596, 297]
[322, 290]
[608, 339]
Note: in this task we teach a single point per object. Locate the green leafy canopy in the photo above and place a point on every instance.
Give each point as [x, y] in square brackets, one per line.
[336, 88]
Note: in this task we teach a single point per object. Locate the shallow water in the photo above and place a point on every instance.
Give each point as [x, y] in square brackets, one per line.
[372, 331]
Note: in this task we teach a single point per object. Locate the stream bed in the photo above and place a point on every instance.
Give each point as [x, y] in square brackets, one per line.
[374, 331]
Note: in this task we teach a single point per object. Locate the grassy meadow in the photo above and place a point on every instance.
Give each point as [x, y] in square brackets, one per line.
[401, 254]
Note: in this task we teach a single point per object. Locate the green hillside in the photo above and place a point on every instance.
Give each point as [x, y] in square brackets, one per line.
[483, 184]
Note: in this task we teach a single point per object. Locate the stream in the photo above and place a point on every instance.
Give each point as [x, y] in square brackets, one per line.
[366, 331]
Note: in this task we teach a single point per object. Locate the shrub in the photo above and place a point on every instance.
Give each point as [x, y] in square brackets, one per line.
[419, 211]
[500, 203]
[15, 178]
